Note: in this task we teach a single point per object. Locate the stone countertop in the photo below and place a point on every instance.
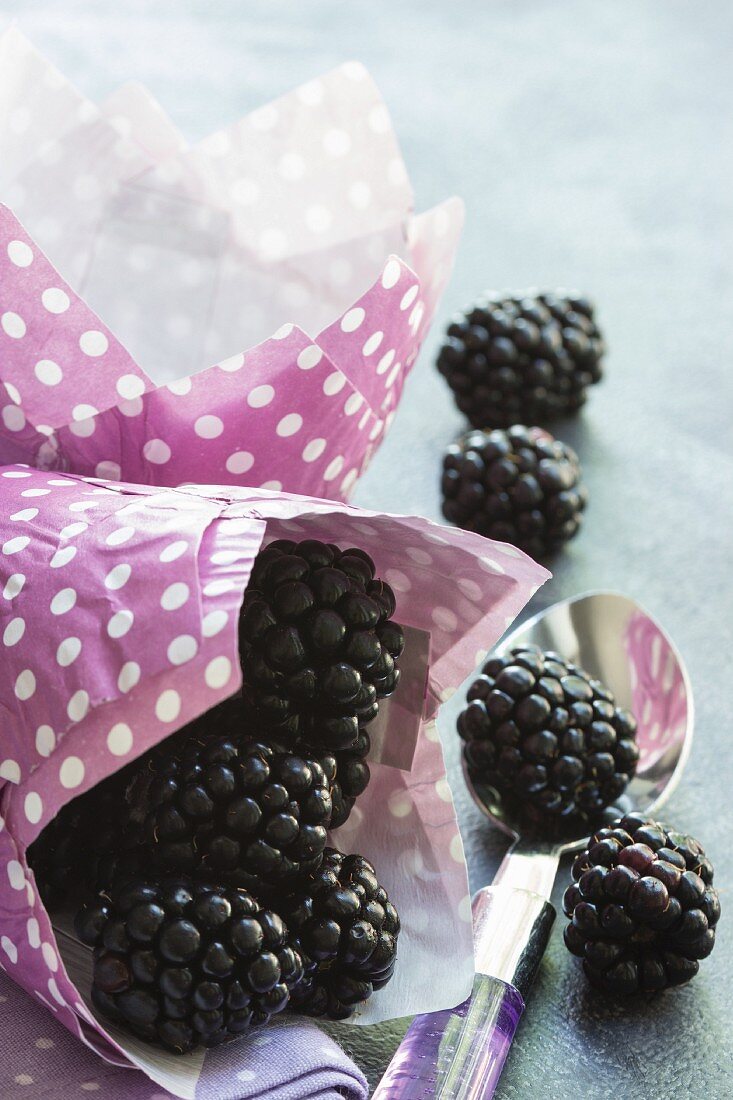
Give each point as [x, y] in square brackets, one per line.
[593, 144]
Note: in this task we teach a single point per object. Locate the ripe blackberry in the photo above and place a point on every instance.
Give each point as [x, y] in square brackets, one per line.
[547, 737]
[232, 808]
[183, 963]
[55, 856]
[83, 837]
[347, 774]
[91, 839]
[642, 907]
[317, 642]
[346, 929]
[524, 357]
[519, 486]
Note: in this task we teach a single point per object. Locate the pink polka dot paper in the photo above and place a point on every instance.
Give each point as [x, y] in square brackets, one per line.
[118, 624]
[282, 249]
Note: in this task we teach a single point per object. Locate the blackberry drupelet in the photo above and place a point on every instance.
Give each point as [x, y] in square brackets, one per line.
[527, 357]
[642, 907]
[346, 930]
[519, 486]
[317, 642]
[232, 808]
[186, 963]
[547, 737]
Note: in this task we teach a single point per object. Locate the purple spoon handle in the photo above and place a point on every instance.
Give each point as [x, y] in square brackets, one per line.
[459, 1053]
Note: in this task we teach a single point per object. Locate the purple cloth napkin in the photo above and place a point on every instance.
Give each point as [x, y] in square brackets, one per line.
[295, 1060]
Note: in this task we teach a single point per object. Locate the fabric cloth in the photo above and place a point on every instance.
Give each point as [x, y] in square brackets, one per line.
[292, 1060]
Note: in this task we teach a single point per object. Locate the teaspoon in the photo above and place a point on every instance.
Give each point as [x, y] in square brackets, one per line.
[458, 1054]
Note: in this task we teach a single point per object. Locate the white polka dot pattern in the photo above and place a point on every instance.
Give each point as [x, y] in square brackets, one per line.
[283, 398]
[310, 200]
[42, 362]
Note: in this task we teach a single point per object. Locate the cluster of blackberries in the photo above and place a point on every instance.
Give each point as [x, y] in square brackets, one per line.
[347, 929]
[213, 900]
[642, 907]
[184, 960]
[317, 642]
[519, 486]
[181, 961]
[548, 737]
[232, 807]
[319, 649]
[514, 360]
[522, 356]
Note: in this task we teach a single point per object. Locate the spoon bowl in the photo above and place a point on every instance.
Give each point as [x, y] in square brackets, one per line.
[619, 643]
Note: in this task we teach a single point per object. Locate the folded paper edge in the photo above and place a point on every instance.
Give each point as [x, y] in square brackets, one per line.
[151, 387]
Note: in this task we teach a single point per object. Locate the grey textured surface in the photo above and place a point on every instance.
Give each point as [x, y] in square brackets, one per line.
[593, 143]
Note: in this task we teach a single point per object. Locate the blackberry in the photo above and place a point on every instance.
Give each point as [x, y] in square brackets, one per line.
[317, 642]
[91, 839]
[186, 963]
[346, 929]
[55, 856]
[642, 907]
[347, 774]
[519, 486]
[525, 357]
[548, 737]
[233, 808]
[85, 836]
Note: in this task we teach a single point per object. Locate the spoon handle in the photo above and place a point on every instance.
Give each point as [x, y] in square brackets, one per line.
[458, 1054]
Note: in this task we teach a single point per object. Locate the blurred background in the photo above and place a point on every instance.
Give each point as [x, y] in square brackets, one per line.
[593, 146]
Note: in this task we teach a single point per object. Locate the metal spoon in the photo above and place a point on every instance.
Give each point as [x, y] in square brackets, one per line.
[459, 1054]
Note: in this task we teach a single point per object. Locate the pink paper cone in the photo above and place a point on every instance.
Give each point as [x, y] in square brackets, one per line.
[118, 624]
[282, 249]
[292, 413]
